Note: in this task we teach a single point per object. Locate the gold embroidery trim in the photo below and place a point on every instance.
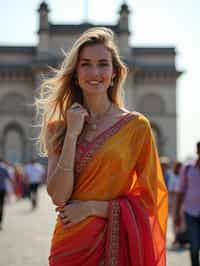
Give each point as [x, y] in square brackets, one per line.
[113, 229]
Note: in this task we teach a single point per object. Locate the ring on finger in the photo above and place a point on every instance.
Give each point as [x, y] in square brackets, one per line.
[75, 107]
[62, 215]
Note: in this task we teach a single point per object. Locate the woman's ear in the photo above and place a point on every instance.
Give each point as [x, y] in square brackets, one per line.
[113, 75]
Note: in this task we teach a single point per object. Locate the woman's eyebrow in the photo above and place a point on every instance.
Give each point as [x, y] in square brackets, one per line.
[101, 60]
[104, 60]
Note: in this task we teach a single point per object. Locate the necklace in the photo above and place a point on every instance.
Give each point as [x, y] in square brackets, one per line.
[93, 124]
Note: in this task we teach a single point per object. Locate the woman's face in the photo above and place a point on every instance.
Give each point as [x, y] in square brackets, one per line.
[95, 69]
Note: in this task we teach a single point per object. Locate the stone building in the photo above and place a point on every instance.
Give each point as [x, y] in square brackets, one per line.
[150, 87]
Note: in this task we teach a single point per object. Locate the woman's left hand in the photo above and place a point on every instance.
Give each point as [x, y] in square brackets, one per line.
[74, 212]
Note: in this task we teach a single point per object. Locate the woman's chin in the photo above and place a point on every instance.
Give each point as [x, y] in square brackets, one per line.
[94, 91]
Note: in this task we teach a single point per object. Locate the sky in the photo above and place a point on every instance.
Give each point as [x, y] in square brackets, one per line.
[152, 23]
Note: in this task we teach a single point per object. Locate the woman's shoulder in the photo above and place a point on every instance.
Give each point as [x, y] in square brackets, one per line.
[55, 125]
[53, 129]
[139, 119]
[140, 127]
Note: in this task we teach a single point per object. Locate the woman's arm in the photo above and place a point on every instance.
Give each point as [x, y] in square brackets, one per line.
[60, 174]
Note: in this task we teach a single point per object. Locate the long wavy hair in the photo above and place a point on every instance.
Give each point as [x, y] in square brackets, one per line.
[60, 91]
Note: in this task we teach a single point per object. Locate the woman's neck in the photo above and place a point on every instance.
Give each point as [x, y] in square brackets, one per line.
[97, 106]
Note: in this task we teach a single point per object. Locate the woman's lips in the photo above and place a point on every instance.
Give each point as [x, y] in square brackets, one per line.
[92, 82]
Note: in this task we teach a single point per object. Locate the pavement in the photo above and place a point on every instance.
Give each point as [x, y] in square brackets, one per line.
[25, 238]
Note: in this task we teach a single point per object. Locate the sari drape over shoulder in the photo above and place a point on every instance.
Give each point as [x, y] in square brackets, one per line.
[121, 166]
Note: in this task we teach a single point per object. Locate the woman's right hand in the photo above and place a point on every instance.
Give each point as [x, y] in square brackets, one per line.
[76, 115]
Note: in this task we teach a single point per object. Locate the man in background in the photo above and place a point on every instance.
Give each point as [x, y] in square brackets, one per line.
[188, 194]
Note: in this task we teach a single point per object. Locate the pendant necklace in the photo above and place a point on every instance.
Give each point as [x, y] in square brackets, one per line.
[93, 124]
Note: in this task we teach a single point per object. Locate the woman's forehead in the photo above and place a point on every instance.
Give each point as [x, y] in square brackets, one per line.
[95, 51]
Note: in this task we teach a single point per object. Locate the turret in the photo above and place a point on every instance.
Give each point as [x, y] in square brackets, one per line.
[43, 31]
[124, 18]
[123, 26]
[43, 17]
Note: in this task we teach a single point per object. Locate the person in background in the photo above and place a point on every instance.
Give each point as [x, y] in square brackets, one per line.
[165, 164]
[34, 173]
[4, 177]
[19, 181]
[10, 195]
[188, 194]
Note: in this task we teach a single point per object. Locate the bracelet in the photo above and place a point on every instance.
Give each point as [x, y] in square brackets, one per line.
[66, 169]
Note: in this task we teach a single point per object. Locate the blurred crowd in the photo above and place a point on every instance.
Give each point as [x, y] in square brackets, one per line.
[172, 171]
[183, 183]
[20, 181]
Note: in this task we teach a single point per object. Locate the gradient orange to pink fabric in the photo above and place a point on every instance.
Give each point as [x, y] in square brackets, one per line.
[120, 166]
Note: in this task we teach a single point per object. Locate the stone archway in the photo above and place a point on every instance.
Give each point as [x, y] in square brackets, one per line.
[13, 143]
[152, 103]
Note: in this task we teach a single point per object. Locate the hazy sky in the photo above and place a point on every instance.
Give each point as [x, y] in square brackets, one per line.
[152, 23]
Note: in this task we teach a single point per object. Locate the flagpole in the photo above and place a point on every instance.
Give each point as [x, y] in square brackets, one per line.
[86, 10]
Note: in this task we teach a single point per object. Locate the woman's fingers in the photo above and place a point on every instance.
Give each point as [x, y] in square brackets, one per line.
[75, 107]
[59, 209]
[72, 213]
[67, 225]
[63, 217]
[78, 107]
[65, 220]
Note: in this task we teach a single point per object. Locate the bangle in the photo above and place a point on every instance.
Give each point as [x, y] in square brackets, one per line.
[66, 169]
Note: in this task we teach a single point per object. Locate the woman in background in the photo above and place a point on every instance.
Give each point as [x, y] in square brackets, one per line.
[104, 173]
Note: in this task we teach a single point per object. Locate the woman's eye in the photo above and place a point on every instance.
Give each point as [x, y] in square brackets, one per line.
[104, 64]
[99, 65]
[85, 64]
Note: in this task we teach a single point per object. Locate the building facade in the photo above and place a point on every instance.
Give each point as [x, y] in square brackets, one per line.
[150, 87]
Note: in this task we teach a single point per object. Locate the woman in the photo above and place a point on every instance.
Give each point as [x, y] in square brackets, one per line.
[103, 169]
[19, 181]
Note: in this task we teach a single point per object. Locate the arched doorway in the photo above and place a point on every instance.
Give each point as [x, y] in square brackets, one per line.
[13, 143]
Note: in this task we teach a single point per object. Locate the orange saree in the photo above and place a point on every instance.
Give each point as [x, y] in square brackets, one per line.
[120, 166]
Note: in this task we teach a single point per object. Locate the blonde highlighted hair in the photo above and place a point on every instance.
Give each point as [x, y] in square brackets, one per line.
[59, 92]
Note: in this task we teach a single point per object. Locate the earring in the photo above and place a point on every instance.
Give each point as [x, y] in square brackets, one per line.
[112, 83]
[76, 82]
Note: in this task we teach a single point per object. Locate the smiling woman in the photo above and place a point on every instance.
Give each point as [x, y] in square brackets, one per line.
[95, 70]
[104, 173]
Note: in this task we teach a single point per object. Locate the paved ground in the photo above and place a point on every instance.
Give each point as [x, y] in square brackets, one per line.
[25, 238]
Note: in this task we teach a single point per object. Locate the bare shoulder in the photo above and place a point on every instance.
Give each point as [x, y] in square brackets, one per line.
[54, 126]
[139, 117]
[139, 120]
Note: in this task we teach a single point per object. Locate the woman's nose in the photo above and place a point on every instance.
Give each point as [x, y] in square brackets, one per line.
[94, 70]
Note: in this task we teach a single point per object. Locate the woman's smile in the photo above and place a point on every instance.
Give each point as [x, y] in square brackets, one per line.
[93, 82]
